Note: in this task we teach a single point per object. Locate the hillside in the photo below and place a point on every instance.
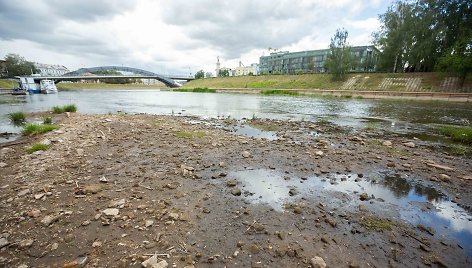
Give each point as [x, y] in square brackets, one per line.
[411, 82]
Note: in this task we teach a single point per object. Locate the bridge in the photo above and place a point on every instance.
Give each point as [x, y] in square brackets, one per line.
[169, 81]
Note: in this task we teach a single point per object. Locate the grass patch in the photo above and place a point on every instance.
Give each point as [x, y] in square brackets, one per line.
[37, 147]
[376, 224]
[17, 118]
[194, 134]
[66, 108]
[8, 83]
[32, 129]
[197, 89]
[279, 92]
[457, 134]
[264, 127]
[370, 127]
[460, 150]
[47, 120]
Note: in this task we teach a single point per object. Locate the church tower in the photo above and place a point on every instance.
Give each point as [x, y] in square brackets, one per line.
[218, 66]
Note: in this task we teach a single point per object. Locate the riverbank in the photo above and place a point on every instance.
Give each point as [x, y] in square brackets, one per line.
[116, 189]
[408, 82]
[85, 86]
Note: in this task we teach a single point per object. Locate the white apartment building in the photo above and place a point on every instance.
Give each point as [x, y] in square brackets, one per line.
[50, 69]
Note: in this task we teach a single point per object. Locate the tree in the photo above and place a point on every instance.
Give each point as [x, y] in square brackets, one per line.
[208, 75]
[458, 60]
[17, 65]
[199, 74]
[223, 73]
[340, 58]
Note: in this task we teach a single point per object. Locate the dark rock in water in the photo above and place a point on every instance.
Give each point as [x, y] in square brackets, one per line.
[364, 197]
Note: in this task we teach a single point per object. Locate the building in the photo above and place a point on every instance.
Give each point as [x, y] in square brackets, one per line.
[253, 69]
[50, 70]
[3, 68]
[313, 61]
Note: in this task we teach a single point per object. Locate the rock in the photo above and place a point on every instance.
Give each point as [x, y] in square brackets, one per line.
[391, 164]
[148, 223]
[92, 189]
[353, 264]
[246, 154]
[103, 180]
[319, 153]
[174, 216]
[24, 192]
[258, 227]
[111, 212]
[38, 196]
[317, 262]
[466, 177]
[80, 152]
[355, 138]
[46, 142]
[236, 191]
[364, 196]
[152, 263]
[54, 246]
[409, 144]
[432, 164]
[117, 203]
[48, 220]
[325, 239]
[387, 143]
[3, 164]
[445, 177]
[68, 114]
[26, 243]
[3, 242]
[297, 210]
[22, 266]
[96, 244]
[231, 183]
[34, 213]
[85, 223]
[292, 192]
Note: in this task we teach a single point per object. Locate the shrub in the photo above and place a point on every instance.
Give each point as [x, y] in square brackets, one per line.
[37, 147]
[32, 129]
[17, 118]
[47, 120]
[66, 108]
[457, 134]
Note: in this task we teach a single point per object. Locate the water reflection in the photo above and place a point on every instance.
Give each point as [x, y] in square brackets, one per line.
[395, 195]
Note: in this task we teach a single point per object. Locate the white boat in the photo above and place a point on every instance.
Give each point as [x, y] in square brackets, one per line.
[47, 87]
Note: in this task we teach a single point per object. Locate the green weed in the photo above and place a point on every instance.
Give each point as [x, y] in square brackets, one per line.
[32, 129]
[17, 118]
[37, 147]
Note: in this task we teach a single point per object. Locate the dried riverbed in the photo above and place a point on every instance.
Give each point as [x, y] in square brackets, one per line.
[112, 190]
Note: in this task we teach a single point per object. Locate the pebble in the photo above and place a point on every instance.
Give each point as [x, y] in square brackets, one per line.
[364, 196]
[96, 244]
[231, 183]
[409, 144]
[152, 263]
[48, 220]
[103, 180]
[246, 154]
[318, 262]
[387, 143]
[445, 177]
[54, 246]
[111, 212]
[319, 153]
[3, 164]
[236, 191]
[26, 243]
[3, 242]
[38, 196]
[24, 192]
[148, 223]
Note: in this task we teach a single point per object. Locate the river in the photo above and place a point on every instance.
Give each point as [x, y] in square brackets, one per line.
[404, 116]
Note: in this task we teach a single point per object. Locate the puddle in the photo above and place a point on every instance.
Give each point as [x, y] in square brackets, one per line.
[253, 132]
[394, 196]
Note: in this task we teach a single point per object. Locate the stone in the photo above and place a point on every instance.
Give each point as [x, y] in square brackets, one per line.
[152, 263]
[317, 262]
[236, 191]
[246, 154]
[231, 183]
[24, 192]
[432, 164]
[92, 189]
[319, 153]
[26, 243]
[54, 246]
[85, 223]
[68, 114]
[117, 203]
[174, 216]
[445, 177]
[111, 212]
[3, 242]
[387, 143]
[38, 196]
[410, 144]
[46, 142]
[34, 213]
[364, 196]
[292, 192]
[48, 220]
[466, 177]
[96, 244]
[148, 223]
[103, 180]
[3, 164]
[80, 152]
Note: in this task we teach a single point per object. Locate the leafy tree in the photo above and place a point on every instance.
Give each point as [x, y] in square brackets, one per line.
[208, 75]
[114, 80]
[199, 74]
[340, 59]
[17, 65]
[458, 60]
[223, 73]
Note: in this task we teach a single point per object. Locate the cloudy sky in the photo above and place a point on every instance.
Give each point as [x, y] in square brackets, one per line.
[176, 36]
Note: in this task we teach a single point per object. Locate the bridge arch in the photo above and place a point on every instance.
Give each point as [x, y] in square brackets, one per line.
[167, 81]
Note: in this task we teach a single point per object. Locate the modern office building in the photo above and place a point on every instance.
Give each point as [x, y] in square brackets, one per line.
[313, 61]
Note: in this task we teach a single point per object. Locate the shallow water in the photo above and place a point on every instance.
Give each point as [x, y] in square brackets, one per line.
[392, 196]
[400, 116]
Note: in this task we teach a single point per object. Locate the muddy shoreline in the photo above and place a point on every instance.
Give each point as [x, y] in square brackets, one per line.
[112, 190]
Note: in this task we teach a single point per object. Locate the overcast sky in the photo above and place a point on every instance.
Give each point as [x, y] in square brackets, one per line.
[177, 36]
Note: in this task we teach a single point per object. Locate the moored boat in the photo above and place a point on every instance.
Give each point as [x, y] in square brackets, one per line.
[47, 87]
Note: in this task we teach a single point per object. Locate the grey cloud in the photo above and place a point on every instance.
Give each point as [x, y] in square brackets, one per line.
[239, 26]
